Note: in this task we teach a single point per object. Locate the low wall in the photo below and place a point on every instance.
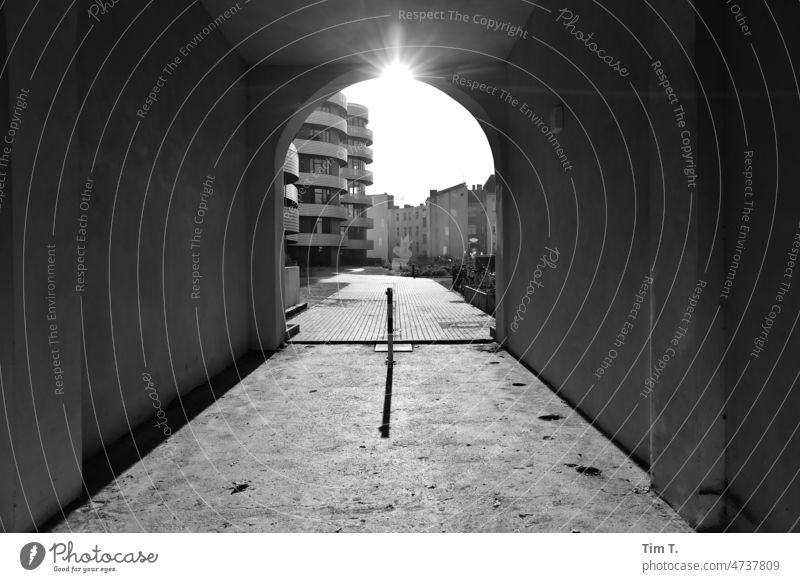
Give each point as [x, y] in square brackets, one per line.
[480, 299]
[291, 286]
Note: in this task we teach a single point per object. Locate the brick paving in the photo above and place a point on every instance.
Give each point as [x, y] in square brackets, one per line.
[424, 311]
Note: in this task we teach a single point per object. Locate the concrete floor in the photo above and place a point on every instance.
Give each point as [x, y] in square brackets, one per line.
[295, 448]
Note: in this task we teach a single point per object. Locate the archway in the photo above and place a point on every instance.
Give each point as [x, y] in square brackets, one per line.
[429, 139]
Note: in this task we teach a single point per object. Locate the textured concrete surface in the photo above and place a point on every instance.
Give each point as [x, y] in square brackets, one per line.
[476, 444]
[423, 311]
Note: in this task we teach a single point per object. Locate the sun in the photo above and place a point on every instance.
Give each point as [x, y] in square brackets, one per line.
[397, 72]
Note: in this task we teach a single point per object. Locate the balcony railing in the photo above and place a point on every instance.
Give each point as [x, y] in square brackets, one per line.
[291, 219]
[360, 132]
[348, 198]
[323, 180]
[323, 211]
[313, 239]
[327, 120]
[321, 148]
[359, 245]
[338, 99]
[359, 175]
[359, 151]
[356, 110]
[360, 222]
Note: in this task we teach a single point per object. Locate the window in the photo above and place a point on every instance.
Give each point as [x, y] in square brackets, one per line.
[424, 239]
[444, 250]
[312, 195]
[317, 165]
[321, 135]
[424, 222]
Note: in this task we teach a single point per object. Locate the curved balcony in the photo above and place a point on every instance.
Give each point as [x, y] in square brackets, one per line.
[321, 148]
[291, 220]
[290, 192]
[323, 180]
[359, 245]
[313, 239]
[291, 238]
[347, 198]
[360, 133]
[291, 166]
[360, 222]
[360, 151]
[357, 110]
[327, 120]
[338, 99]
[360, 175]
[323, 211]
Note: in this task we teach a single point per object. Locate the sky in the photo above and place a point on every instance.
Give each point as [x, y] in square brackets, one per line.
[424, 140]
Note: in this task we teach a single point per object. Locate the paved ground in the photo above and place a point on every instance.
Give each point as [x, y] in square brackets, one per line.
[424, 311]
[477, 444]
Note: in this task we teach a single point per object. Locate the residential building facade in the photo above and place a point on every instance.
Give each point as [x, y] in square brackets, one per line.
[380, 213]
[333, 150]
[409, 231]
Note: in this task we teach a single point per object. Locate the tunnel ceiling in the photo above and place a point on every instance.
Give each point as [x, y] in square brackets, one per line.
[307, 33]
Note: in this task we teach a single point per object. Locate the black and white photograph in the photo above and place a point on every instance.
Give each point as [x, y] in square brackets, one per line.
[400, 271]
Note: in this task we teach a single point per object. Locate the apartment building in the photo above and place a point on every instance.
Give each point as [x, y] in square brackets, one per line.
[333, 150]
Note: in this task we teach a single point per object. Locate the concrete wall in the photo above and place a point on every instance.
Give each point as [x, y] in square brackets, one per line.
[146, 310]
[40, 444]
[599, 225]
[763, 440]
[115, 195]
[653, 193]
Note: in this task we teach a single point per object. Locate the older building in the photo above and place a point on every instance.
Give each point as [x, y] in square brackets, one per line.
[380, 213]
[408, 232]
[463, 220]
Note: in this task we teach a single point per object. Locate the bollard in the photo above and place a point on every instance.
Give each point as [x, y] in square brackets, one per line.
[387, 399]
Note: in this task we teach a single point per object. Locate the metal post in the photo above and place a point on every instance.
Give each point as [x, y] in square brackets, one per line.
[390, 323]
[387, 399]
